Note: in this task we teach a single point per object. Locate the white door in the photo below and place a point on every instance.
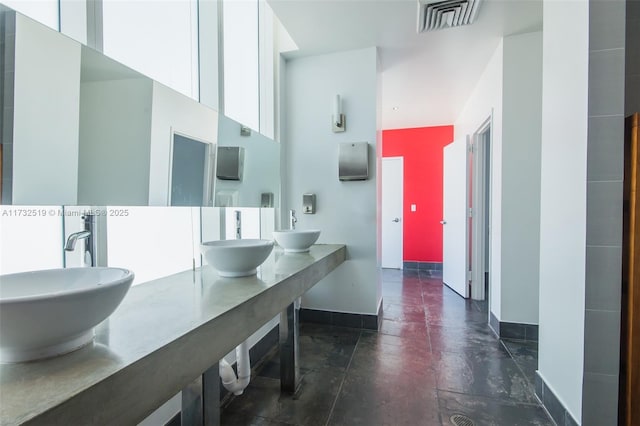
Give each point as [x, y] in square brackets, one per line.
[392, 202]
[454, 221]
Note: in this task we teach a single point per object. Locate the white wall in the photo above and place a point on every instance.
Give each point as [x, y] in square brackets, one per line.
[173, 112]
[511, 87]
[73, 19]
[485, 100]
[241, 67]
[261, 164]
[20, 227]
[208, 53]
[521, 139]
[44, 11]
[346, 211]
[379, 179]
[46, 116]
[115, 128]
[162, 45]
[153, 242]
[563, 200]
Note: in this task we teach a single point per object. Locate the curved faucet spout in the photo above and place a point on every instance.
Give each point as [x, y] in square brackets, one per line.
[73, 238]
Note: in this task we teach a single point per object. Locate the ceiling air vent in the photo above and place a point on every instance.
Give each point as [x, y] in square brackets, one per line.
[438, 14]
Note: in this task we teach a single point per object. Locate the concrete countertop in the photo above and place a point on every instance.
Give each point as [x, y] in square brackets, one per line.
[162, 337]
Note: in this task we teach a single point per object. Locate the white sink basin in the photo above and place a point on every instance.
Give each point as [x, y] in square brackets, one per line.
[296, 240]
[236, 258]
[52, 312]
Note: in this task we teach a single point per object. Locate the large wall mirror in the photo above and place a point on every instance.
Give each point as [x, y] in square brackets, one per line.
[79, 128]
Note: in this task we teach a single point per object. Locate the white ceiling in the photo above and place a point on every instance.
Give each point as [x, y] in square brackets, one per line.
[428, 77]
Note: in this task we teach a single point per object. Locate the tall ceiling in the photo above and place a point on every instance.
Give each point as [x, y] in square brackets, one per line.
[426, 78]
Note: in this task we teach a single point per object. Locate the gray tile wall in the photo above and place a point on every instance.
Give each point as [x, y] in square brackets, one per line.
[632, 61]
[605, 161]
[7, 53]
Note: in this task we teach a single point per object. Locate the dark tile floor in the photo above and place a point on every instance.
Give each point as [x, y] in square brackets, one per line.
[434, 357]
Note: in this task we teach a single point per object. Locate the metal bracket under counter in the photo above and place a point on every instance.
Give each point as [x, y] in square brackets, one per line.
[166, 336]
[201, 399]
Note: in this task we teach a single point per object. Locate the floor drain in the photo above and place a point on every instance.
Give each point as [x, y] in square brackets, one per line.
[461, 420]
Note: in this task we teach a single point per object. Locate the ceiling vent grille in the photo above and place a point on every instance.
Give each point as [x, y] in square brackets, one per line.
[438, 14]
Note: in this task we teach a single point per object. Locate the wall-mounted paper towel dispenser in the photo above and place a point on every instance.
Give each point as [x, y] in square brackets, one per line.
[230, 162]
[353, 161]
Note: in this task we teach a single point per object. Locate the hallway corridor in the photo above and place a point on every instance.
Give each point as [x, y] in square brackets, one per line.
[433, 358]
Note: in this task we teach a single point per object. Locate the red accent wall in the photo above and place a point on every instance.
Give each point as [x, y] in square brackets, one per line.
[422, 151]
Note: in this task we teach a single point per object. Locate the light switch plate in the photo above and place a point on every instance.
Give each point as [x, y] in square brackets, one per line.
[413, 207]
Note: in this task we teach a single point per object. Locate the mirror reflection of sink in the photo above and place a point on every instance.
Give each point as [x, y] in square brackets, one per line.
[296, 240]
[236, 258]
[52, 312]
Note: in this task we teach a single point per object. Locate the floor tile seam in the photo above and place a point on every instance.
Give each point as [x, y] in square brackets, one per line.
[520, 370]
[546, 412]
[344, 378]
[503, 400]
[518, 366]
[400, 321]
[406, 336]
[319, 369]
[427, 325]
[400, 301]
[271, 419]
[464, 351]
[404, 322]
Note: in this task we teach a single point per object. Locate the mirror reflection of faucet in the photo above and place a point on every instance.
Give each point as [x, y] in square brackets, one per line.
[292, 219]
[238, 215]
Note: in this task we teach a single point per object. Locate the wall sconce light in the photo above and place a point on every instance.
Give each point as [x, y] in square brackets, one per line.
[338, 120]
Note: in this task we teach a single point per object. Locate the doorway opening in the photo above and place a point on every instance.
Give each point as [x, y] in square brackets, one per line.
[480, 211]
[191, 172]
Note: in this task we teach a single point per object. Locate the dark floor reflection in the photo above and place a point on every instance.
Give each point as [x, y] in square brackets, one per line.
[434, 357]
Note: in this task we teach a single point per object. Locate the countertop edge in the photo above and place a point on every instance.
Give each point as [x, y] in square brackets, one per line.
[132, 393]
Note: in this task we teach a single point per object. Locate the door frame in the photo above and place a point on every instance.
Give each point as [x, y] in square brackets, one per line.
[211, 152]
[401, 161]
[629, 413]
[479, 198]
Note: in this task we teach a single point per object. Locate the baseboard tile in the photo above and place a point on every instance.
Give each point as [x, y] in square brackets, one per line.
[513, 330]
[341, 319]
[552, 404]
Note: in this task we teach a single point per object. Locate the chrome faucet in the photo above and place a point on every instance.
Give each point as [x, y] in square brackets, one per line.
[90, 246]
[238, 214]
[73, 238]
[292, 219]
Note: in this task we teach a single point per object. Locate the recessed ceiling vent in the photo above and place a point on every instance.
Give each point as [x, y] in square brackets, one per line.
[438, 14]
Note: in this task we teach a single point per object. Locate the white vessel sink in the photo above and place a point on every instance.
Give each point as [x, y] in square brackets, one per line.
[236, 258]
[296, 240]
[52, 312]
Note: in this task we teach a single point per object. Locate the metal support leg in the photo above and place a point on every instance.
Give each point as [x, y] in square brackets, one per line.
[191, 414]
[201, 400]
[289, 369]
[211, 396]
